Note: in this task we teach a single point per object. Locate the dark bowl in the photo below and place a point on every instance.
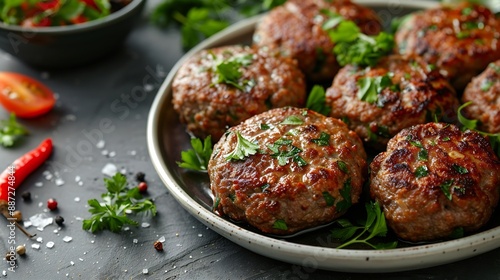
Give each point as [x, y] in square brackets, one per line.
[68, 46]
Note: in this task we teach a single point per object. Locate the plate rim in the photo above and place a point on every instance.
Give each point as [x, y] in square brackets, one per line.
[315, 257]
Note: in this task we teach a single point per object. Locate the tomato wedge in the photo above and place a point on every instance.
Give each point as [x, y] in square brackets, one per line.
[25, 96]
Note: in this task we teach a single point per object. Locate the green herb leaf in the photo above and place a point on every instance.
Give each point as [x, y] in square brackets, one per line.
[423, 155]
[370, 87]
[345, 192]
[316, 101]
[293, 120]
[422, 171]
[243, 149]
[197, 158]
[342, 166]
[11, 131]
[328, 198]
[280, 224]
[354, 47]
[374, 225]
[111, 214]
[460, 169]
[323, 140]
[446, 188]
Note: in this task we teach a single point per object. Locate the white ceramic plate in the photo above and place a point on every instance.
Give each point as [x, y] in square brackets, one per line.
[167, 138]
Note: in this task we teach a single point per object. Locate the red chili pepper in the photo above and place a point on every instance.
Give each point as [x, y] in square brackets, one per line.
[15, 174]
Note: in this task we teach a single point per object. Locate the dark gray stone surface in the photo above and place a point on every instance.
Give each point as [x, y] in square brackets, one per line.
[119, 90]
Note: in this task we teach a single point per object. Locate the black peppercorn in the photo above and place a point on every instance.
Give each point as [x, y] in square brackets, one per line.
[26, 196]
[140, 177]
[59, 220]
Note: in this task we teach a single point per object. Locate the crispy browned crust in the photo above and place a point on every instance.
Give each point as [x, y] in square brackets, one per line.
[460, 40]
[417, 208]
[209, 108]
[423, 93]
[296, 29]
[260, 191]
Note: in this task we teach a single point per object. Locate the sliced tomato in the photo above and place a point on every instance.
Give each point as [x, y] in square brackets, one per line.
[25, 96]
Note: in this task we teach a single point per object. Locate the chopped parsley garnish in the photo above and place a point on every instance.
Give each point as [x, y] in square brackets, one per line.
[445, 139]
[342, 166]
[228, 72]
[11, 131]
[345, 192]
[264, 126]
[197, 158]
[323, 140]
[216, 203]
[118, 201]
[417, 144]
[486, 85]
[446, 188]
[289, 152]
[495, 67]
[328, 198]
[423, 155]
[265, 186]
[244, 148]
[374, 225]
[280, 224]
[293, 120]
[421, 171]
[354, 47]
[460, 169]
[316, 100]
[370, 87]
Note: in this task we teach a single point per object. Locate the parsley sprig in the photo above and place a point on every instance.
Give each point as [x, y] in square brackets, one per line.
[11, 131]
[229, 72]
[200, 19]
[197, 158]
[244, 148]
[316, 100]
[373, 226]
[354, 47]
[369, 88]
[118, 201]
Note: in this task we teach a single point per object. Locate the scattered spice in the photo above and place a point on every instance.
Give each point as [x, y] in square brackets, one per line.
[140, 177]
[17, 215]
[21, 250]
[158, 246]
[26, 196]
[52, 204]
[59, 220]
[143, 187]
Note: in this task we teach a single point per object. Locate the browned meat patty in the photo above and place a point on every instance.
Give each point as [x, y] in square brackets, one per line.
[296, 29]
[434, 179]
[484, 92]
[221, 87]
[378, 102]
[460, 40]
[307, 171]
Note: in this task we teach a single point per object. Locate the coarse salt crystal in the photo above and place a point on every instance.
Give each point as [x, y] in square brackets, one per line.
[41, 220]
[145, 271]
[35, 246]
[100, 144]
[145, 225]
[135, 240]
[59, 182]
[112, 154]
[50, 244]
[104, 152]
[38, 184]
[78, 179]
[67, 239]
[161, 239]
[77, 199]
[39, 239]
[109, 169]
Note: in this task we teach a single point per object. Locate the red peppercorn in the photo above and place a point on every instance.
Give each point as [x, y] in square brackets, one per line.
[158, 246]
[143, 187]
[52, 204]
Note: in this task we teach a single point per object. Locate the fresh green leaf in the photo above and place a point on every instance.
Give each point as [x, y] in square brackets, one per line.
[323, 140]
[197, 158]
[423, 155]
[446, 188]
[345, 192]
[460, 169]
[328, 198]
[369, 88]
[11, 131]
[293, 120]
[421, 171]
[280, 224]
[316, 101]
[111, 214]
[342, 166]
[374, 225]
[243, 149]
